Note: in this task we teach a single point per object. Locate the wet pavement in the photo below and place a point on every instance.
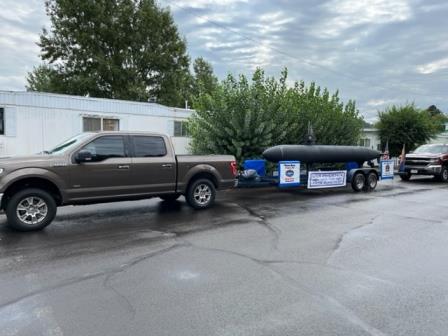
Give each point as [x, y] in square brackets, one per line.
[261, 262]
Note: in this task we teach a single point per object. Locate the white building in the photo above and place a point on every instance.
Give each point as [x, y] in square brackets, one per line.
[31, 122]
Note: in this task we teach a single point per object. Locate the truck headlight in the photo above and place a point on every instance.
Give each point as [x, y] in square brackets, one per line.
[1, 170]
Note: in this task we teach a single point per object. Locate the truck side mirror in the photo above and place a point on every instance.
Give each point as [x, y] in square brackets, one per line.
[83, 156]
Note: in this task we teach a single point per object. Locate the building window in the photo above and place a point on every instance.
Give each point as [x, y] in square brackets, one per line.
[181, 129]
[364, 142]
[378, 147]
[2, 121]
[95, 124]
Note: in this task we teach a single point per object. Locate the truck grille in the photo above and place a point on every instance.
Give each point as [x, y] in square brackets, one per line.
[417, 162]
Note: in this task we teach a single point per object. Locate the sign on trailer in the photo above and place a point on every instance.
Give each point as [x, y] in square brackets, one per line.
[387, 169]
[327, 179]
[289, 172]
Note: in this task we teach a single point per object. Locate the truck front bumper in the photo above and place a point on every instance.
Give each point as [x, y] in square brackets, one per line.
[427, 170]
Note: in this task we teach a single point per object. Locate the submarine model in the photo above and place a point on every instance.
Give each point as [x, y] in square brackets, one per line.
[320, 153]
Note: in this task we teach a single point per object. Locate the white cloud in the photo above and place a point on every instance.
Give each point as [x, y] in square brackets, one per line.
[432, 67]
[379, 102]
[350, 13]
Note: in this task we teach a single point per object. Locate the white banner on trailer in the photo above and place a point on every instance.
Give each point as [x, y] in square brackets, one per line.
[327, 179]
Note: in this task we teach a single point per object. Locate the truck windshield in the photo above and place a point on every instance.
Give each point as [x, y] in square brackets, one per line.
[433, 149]
[70, 143]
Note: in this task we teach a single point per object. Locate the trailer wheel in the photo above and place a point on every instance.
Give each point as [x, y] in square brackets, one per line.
[358, 182]
[371, 183]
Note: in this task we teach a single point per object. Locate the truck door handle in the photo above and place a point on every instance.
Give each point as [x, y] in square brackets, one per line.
[123, 167]
[167, 165]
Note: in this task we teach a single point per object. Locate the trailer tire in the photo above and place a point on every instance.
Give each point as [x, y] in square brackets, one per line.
[358, 182]
[371, 182]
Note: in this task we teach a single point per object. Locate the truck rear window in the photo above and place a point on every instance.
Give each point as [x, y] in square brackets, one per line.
[149, 146]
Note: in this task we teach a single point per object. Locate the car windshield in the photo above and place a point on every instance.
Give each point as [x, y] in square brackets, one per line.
[434, 149]
[70, 143]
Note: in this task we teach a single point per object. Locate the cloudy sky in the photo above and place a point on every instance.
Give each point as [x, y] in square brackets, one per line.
[378, 52]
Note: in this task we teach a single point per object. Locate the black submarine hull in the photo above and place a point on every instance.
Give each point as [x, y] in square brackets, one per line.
[320, 153]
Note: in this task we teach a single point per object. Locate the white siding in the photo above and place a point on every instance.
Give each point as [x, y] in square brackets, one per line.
[37, 121]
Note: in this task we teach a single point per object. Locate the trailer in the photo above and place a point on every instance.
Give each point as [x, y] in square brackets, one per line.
[294, 174]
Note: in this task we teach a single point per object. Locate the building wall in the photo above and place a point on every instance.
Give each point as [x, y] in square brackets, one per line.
[370, 138]
[37, 121]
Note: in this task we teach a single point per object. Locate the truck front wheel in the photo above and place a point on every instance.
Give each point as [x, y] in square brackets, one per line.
[201, 194]
[30, 210]
[443, 177]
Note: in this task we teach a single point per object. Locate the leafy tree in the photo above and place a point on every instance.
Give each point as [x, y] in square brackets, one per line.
[204, 81]
[243, 117]
[438, 117]
[127, 49]
[405, 125]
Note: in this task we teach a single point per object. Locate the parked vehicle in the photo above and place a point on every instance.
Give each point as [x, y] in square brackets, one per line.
[431, 159]
[107, 166]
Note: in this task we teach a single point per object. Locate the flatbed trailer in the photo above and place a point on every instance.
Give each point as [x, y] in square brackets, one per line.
[360, 179]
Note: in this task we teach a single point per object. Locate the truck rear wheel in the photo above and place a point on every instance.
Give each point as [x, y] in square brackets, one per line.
[30, 210]
[201, 194]
[358, 182]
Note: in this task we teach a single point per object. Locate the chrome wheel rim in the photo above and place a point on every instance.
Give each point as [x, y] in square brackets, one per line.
[32, 210]
[359, 181]
[202, 194]
[445, 174]
[373, 181]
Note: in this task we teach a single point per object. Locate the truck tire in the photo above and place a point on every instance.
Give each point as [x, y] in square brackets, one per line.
[405, 176]
[201, 194]
[443, 177]
[358, 182]
[169, 197]
[371, 182]
[30, 209]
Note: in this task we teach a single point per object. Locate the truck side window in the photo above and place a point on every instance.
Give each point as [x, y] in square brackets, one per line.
[106, 147]
[149, 146]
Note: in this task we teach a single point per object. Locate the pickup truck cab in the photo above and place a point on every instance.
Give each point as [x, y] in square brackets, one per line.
[103, 167]
[430, 159]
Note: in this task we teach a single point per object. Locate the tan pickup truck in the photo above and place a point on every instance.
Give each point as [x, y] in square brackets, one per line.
[103, 167]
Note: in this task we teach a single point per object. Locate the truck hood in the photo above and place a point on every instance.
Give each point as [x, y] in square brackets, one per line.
[422, 155]
[29, 160]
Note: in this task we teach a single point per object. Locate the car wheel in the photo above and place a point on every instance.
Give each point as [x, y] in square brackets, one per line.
[405, 176]
[443, 177]
[201, 194]
[170, 197]
[371, 183]
[30, 210]
[358, 182]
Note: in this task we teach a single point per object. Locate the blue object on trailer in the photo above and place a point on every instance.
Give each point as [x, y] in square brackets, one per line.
[351, 165]
[258, 165]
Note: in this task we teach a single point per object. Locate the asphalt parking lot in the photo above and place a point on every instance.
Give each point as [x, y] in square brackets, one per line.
[261, 262]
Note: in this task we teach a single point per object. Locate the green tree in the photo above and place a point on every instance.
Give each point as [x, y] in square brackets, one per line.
[243, 117]
[405, 125]
[127, 49]
[204, 80]
[438, 117]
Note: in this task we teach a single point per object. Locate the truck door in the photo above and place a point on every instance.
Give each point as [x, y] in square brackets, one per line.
[107, 175]
[153, 165]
